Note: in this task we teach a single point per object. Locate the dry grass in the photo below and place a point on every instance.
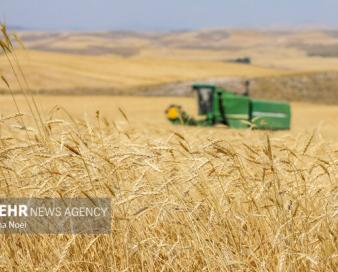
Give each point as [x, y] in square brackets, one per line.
[184, 199]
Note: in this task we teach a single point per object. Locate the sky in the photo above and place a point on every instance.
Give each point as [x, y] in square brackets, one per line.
[158, 15]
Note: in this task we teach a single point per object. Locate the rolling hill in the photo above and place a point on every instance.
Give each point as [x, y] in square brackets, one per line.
[141, 63]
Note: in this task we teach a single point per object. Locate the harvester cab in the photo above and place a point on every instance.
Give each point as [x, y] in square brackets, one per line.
[219, 106]
[205, 94]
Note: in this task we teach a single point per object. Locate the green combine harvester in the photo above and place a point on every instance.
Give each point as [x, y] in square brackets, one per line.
[219, 106]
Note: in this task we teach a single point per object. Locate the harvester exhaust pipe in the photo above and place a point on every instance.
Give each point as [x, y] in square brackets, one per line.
[247, 88]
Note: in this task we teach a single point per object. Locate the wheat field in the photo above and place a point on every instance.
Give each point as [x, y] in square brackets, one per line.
[183, 198]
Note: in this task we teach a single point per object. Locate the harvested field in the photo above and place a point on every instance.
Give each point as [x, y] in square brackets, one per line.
[53, 73]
